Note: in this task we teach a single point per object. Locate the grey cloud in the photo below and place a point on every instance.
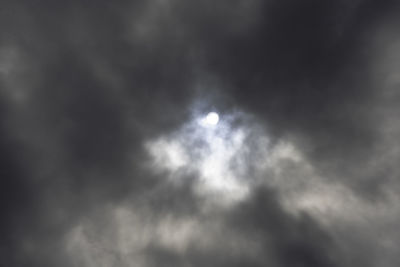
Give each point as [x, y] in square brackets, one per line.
[85, 85]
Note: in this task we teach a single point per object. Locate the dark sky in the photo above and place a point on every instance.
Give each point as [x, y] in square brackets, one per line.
[107, 158]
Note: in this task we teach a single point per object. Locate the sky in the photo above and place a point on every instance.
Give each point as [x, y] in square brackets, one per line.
[186, 133]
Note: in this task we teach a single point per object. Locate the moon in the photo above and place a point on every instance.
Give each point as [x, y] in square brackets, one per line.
[212, 118]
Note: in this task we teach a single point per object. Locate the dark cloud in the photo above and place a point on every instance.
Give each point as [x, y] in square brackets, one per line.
[306, 70]
[300, 73]
[84, 87]
[284, 240]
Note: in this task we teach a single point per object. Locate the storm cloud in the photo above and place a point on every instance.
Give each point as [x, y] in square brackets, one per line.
[107, 158]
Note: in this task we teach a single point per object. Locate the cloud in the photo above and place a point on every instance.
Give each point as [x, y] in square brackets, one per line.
[103, 163]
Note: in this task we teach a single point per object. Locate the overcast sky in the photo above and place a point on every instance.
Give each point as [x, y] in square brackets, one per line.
[110, 157]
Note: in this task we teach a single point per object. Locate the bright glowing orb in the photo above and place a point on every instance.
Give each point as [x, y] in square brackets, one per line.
[212, 118]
